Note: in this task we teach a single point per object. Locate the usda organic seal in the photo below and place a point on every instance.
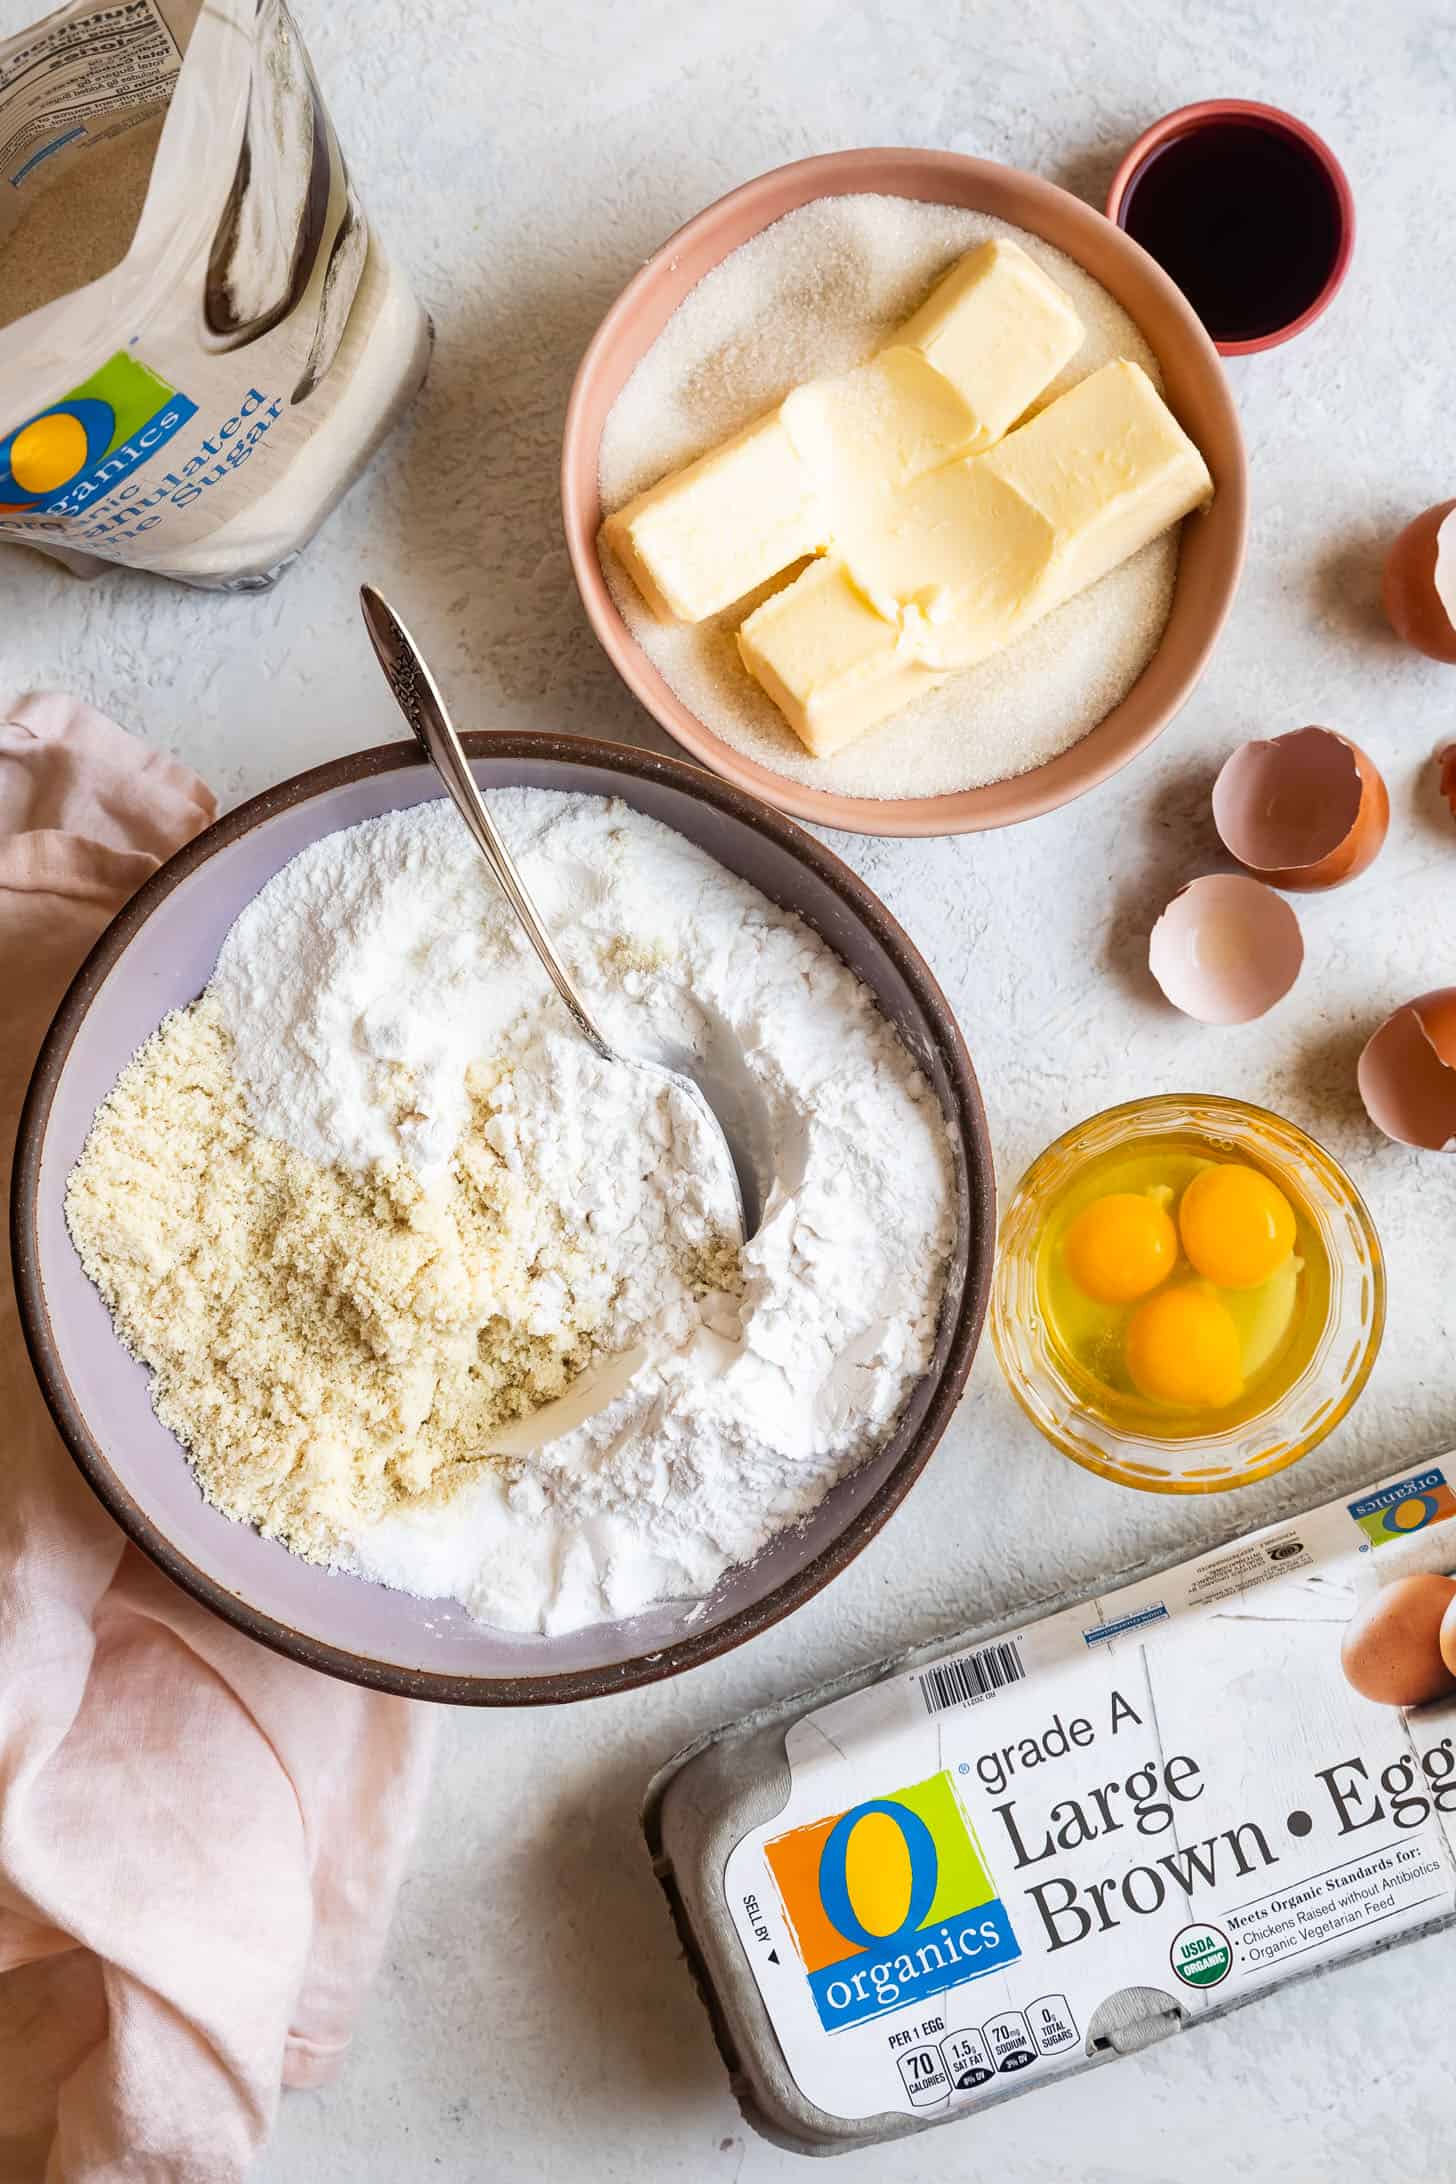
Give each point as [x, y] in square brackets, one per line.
[1201, 1956]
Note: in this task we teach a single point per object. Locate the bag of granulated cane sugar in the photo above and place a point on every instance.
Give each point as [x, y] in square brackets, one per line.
[201, 339]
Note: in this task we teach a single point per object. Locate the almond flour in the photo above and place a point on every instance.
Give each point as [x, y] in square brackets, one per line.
[326, 1344]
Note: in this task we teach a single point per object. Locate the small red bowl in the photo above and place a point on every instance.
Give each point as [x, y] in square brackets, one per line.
[1184, 122]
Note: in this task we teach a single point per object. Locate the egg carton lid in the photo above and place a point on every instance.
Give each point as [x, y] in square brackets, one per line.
[1117, 1817]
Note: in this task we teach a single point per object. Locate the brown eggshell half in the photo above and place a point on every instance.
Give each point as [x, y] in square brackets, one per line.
[1307, 810]
[1446, 760]
[1392, 1648]
[1448, 1637]
[1419, 584]
[1407, 1073]
[1226, 949]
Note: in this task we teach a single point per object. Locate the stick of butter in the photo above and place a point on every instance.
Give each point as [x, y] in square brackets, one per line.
[971, 554]
[710, 534]
[832, 665]
[987, 342]
[999, 331]
[866, 435]
[1106, 468]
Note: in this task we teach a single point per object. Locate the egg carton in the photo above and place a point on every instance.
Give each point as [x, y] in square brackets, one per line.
[984, 1866]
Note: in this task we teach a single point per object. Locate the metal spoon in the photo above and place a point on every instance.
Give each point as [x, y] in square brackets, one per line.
[721, 1090]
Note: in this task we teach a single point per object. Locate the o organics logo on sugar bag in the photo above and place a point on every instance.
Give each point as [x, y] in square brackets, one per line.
[890, 1902]
[1397, 1511]
[65, 457]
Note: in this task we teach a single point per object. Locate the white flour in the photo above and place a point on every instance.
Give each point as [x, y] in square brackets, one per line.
[381, 964]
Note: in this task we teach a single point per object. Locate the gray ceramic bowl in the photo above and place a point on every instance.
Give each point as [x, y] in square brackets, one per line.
[158, 955]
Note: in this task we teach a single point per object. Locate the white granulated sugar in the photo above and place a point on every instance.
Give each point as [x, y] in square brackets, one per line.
[381, 966]
[818, 292]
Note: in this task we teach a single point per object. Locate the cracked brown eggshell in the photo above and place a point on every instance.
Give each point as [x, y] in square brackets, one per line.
[1446, 760]
[1407, 1073]
[1305, 811]
[1226, 949]
[1419, 584]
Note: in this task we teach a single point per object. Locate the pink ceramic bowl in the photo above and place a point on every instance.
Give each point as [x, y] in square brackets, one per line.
[1184, 121]
[1213, 543]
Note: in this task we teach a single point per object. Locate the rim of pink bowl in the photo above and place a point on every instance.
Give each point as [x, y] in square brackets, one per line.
[1181, 122]
[654, 292]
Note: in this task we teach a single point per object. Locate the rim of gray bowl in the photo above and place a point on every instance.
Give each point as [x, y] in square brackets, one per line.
[561, 1686]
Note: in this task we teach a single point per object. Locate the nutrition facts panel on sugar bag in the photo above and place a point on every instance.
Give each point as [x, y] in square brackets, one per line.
[1142, 1808]
[68, 75]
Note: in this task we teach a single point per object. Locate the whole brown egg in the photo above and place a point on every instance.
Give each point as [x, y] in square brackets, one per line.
[1392, 1650]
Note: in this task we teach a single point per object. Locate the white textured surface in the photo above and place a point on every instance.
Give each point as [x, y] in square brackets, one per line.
[531, 2021]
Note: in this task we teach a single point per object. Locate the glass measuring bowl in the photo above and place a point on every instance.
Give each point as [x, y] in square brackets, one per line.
[1296, 1417]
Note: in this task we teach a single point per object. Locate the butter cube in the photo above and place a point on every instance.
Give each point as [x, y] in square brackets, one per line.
[999, 330]
[990, 339]
[831, 664]
[1107, 467]
[974, 553]
[971, 554]
[867, 434]
[952, 563]
[707, 535]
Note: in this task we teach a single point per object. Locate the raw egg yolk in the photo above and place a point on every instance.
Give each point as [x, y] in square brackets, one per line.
[1120, 1247]
[1183, 1348]
[1237, 1226]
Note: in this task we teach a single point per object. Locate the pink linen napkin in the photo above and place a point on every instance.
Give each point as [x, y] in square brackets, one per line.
[200, 1842]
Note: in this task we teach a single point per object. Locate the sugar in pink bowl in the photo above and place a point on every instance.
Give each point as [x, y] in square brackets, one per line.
[1194, 385]
[1247, 210]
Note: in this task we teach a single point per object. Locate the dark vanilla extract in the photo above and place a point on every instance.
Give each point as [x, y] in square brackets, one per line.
[1244, 217]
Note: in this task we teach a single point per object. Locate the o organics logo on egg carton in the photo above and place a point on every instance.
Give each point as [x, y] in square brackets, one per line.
[66, 456]
[1397, 1511]
[890, 1902]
